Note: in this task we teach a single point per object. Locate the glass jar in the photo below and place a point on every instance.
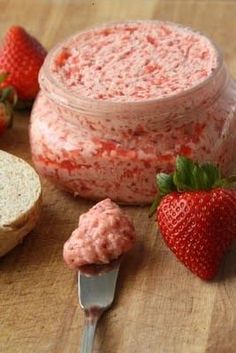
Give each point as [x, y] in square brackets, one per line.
[98, 149]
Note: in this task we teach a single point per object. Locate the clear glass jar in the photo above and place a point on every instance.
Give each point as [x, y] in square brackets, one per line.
[99, 149]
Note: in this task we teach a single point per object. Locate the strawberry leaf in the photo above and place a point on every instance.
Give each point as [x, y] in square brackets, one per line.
[199, 178]
[8, 96]
[154, 205]
[212, 172]
[189, 176]
[221, 183]
[165, 183]
[6, 92]
[3, 77]
[183, 173]
[8, 113]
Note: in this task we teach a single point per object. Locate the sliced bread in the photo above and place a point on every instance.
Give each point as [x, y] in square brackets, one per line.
[20, 199]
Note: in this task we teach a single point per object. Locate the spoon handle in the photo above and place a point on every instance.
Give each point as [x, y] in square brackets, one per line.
[89, 333]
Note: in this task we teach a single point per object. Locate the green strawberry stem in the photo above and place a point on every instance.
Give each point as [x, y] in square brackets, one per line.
[7, 92]
[189, 176]
[154, 205]
[8, 97]
[3, 76]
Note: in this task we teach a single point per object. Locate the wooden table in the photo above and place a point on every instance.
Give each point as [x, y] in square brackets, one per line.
[160, 306]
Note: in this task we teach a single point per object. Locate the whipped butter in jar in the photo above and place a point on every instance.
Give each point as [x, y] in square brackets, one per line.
[119, 102]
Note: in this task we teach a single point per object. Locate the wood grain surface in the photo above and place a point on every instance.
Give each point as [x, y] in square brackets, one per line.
[160, 306]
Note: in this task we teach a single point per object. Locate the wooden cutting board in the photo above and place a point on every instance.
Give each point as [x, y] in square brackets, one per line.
[160, 307]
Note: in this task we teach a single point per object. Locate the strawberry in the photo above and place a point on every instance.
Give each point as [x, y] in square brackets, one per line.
[197, 215]
[21, 55]
[7, 102]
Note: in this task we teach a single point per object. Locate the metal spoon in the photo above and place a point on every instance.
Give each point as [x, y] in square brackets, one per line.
[96, 290]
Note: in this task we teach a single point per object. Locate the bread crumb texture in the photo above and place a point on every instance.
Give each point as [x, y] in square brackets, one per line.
[20, 191]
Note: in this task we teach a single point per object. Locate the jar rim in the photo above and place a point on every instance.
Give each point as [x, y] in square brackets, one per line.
[73, 100]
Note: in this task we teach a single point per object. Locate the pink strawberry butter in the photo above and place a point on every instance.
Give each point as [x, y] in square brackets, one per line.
[104, 233]
[119, 102]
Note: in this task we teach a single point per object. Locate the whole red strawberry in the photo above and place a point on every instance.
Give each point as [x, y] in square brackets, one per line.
[7, 102]
[21, 56]
[197, 215]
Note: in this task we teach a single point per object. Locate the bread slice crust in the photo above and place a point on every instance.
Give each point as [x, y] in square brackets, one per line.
[20, 200]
